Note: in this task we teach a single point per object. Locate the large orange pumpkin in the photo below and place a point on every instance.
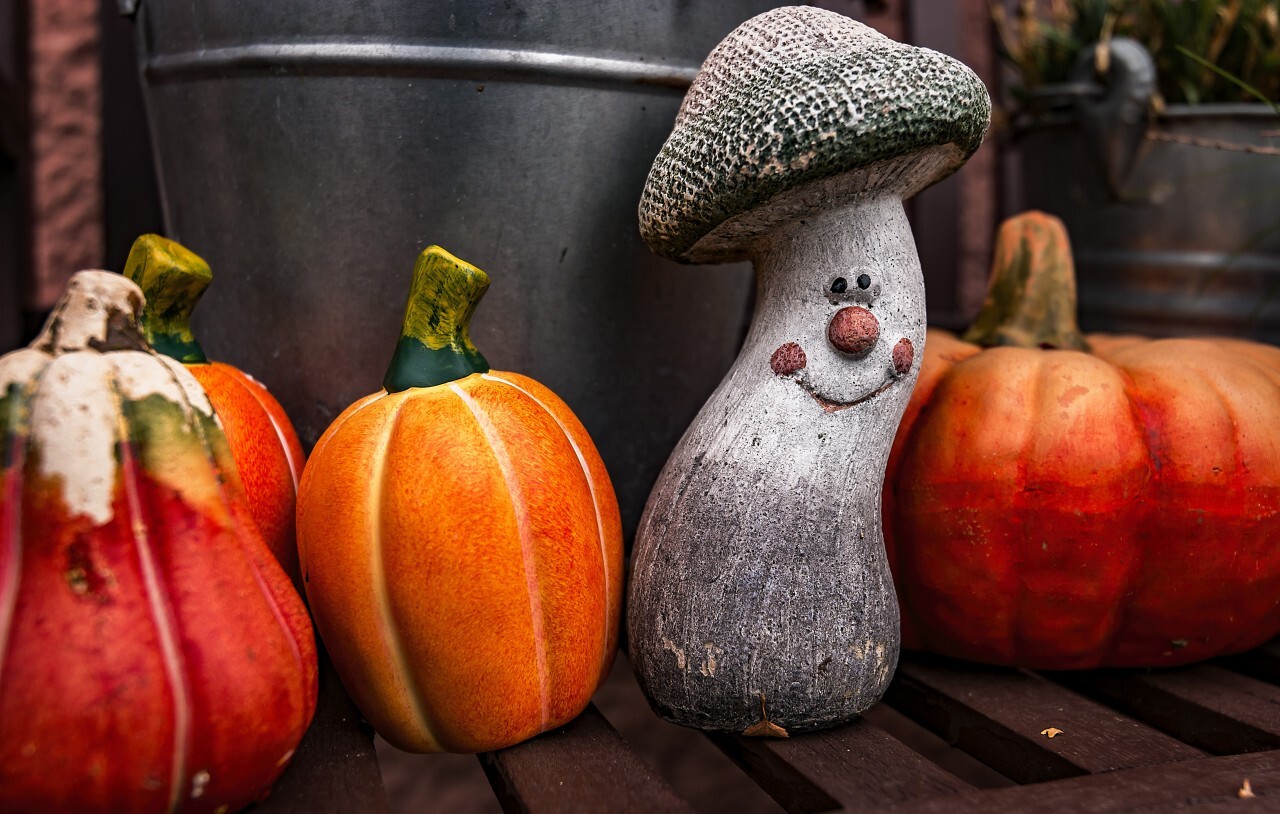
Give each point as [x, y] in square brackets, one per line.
[1056, 501]
[153, 655]
[460, 540]
[263, 442]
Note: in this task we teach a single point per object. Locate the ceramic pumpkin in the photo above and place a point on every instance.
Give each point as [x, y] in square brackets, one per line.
[265, 447]
[1056, 501]
[460, 540]
[153, 655]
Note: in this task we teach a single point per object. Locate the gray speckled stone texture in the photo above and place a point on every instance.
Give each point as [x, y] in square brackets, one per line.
[794, 95]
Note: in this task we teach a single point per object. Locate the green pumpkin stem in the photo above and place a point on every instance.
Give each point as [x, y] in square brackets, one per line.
[1031, 299]
[172, 278]
[435, 342]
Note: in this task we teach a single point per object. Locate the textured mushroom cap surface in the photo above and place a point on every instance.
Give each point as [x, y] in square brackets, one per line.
[798, 95]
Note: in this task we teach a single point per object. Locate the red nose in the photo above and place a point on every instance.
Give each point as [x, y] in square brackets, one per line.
[854, 331]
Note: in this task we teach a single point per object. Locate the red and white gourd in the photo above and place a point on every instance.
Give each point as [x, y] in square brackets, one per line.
[153, 655]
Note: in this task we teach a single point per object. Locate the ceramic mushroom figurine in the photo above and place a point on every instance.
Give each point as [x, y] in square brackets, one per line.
[760, 600]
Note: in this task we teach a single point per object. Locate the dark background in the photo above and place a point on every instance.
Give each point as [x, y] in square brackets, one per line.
[73, 117]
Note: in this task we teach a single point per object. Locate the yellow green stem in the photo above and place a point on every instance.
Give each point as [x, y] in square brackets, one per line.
[172, 278]
[435, 341]
[1031, 299]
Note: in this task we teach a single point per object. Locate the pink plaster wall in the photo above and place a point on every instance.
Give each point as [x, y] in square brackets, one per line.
[64, 159]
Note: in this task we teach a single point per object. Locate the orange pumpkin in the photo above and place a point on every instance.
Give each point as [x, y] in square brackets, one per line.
[1059, 502]
[153, 655]
[263, 442]
[460, 540]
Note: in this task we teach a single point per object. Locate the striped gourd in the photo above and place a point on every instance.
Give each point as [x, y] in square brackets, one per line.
[153, 655]
[460, 540]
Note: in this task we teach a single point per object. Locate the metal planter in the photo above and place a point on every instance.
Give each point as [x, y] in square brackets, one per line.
[309, 149]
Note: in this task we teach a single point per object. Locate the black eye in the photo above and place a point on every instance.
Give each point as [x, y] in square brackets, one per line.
[839, 285]
[864, 281]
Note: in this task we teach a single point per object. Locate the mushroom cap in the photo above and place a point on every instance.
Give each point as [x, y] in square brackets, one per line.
[799, 108]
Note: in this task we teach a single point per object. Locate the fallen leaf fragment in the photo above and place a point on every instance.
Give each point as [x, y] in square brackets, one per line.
[1052, 732]
[766, 728]
[1246, 791]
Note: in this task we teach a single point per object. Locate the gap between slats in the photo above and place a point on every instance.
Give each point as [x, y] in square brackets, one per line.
[1207, 784]
[998, 715]
[1214, 709]
[335, 769]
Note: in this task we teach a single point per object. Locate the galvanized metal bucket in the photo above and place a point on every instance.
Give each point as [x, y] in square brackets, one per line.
[309, 149]
[1175, 224]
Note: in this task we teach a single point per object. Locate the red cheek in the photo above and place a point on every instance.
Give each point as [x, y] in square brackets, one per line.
[904, 353]
[787, 359]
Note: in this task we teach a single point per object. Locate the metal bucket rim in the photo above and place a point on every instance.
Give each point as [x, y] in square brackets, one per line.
[1249, 111]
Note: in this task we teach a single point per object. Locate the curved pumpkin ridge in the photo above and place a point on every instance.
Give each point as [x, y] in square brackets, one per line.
[1172, 452]
[310, 688]
[288, 439]
[1017, 366]
[343, 417]
[1138, 527]
[227, 504]
[1214, 385]
[377, 570]
[161, 611]
[1041, 374]
[260, 454]
[595, 505]
[1266, 357]
[1075, 391]
[1264, 367]
[942, 351]
[527, 552]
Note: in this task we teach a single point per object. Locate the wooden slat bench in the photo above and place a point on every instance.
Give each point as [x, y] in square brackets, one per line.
[1157, 740]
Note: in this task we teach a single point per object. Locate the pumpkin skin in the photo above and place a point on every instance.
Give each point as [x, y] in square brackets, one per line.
[1064, 509]
[265, 446]
[266, 450]
[153, 655]
[462, 551]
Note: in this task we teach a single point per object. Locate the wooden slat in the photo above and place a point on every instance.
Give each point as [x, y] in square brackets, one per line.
[857, 767]
[936, 750]
[584, 766]
[997, 715]
[1203, 786]
[1261, 663]
[335, 768]
[1216, 710]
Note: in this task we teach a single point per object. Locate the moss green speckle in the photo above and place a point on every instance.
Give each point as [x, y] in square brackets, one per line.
[15, 409]
[796, 95]
[1031, 298]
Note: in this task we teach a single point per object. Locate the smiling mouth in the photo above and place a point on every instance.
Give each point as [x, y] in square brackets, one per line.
[831, 405]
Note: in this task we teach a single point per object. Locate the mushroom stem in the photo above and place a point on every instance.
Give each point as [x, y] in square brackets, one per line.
[796, 262]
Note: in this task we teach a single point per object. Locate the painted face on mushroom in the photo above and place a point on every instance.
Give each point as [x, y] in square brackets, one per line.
[854, 334]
